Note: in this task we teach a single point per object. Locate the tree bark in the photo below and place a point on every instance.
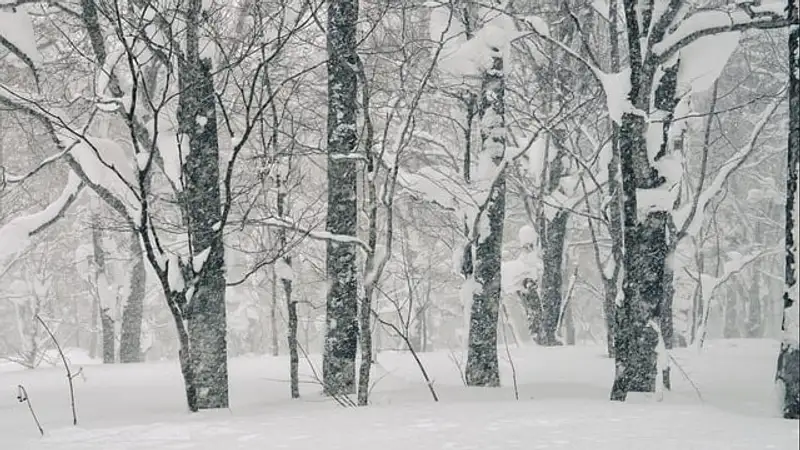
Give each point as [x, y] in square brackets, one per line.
[291, 304]
[647, 239]
[102, 284]
[482, 367]
[553, 239]
[788, 372]
[206, 307]
[107, 323]
[341, 337]
[130, 339]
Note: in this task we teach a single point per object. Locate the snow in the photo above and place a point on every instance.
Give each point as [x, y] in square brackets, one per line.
[17, 28]
[527, 266]
[106, 163]
[617, 87]
[284, 271]
[174, 150]
[527, 235]
[199, 260]
[563, 405]
[719, 18]
[703, 60]
[15, 235]
[467, 59]
[174, 275]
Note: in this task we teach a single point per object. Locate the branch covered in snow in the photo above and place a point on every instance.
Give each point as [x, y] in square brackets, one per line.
[690, 218]
[15, 236]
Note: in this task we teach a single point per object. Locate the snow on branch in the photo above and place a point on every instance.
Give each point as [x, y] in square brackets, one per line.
[16, 35]
[707, 22]
[15, 236]
[689, 219]
[314, 234]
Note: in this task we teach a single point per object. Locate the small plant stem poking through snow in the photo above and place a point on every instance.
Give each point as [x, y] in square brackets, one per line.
[70, 375]
[22, 396]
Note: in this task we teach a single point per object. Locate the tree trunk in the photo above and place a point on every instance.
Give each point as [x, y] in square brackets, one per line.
[532, 304]
[730, 327]
[273, 313]
[206, 308]
[109, 355]
[788, 372]
[553, 239]
[646, 239]
[291, 304]
[482, 367]
[341, 338]
[130, 339]
[755, 313]
[102, 286]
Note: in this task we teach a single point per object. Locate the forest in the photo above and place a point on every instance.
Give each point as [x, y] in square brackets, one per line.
[328, 185]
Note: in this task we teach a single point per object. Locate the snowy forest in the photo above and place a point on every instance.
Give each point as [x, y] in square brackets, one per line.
[574, 210]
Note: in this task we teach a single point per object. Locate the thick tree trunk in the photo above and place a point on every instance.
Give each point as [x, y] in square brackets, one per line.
[482, 367]
[788, 372]
[341, 338]
[635, 339]
[646, 239]
[130, 339]
[206, 307]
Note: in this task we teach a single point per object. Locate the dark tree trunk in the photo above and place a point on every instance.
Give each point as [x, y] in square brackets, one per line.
[614, 209]
[482, 367]
[788, 372]
[341, 339]
[291, 304]
[130, 336]
[609, 311]
[206, 308]
[553, 239]
[532, 304]
[646, 240]
[109, 355]
[102, 285]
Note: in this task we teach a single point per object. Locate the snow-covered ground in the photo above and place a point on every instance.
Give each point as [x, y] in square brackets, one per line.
[563, 405]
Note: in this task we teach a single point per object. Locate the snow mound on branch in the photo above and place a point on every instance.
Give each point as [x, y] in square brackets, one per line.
[15, 235]
[469, 58]
[16, 27]
[702, 61]
[107, 164]
[617, 87]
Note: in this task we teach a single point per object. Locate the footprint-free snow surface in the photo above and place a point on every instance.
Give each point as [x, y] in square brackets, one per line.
[562, 405]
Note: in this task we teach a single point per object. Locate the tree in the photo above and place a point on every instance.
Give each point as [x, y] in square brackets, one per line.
[788, 372]
[341, 339]
[650, 165]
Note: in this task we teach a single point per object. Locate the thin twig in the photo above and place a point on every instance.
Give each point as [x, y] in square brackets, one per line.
[66, 368]
[23, 396]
